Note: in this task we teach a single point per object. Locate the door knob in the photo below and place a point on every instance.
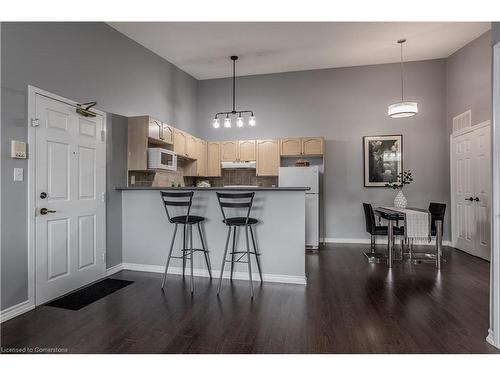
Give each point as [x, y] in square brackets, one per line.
[44, 211]
[43, 195]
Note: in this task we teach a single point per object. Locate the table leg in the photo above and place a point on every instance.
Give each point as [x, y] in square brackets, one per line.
[439, 243]
[390, 238]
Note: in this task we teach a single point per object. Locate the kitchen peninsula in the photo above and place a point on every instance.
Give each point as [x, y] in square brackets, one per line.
[280, 234]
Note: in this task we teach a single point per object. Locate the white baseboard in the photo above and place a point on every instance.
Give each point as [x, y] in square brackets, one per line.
[13, 311]
[114, 269]
[379, 240]
[215, 273]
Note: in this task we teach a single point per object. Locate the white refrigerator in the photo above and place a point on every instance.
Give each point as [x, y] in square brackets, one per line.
[305, 177]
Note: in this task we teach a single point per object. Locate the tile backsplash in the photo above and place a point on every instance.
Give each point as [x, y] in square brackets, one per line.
[237, 177]
[229, 177]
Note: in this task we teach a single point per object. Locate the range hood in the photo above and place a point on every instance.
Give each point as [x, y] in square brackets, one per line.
[238, 164]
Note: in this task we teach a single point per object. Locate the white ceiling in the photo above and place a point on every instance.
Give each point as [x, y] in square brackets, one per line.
[202, 49]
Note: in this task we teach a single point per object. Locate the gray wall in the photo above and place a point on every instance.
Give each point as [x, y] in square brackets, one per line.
[468, 82]
[344, 105]
[83, 62]
[495, 32]
[116, 175]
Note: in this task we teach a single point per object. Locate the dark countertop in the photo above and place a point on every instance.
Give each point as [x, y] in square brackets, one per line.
[213, 188]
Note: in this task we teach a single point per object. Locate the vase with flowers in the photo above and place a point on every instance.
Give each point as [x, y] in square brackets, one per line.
[403, 178]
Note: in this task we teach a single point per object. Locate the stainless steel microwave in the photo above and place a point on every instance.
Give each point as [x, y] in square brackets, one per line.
[159, 158]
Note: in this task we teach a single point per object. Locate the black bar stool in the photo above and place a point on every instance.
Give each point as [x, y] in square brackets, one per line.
[187, 220]
[239, 201]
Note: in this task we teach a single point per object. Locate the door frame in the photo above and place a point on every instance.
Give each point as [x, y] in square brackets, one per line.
[32, 92]
[494, 330]
[452, 190]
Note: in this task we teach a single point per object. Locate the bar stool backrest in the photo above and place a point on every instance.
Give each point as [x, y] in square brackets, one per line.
[235, 201]
[176, 199]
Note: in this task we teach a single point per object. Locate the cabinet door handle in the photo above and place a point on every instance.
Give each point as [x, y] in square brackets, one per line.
[469, 199]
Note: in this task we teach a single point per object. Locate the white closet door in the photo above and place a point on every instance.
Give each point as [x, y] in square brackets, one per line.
[482, 196]
[471, 200]
[464, 215]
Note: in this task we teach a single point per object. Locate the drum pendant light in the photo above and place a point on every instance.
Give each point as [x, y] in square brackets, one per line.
[402, 108]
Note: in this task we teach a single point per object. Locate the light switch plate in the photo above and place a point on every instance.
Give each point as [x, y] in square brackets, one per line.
[18, 174]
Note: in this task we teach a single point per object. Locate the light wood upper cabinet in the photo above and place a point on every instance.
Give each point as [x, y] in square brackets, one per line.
[180, 142]
[168, 134]
[313, 146]
[137, 149]
[302, 146]
[155, 128]
[191, 146]
[202, 158]
[213, 159]
[268, 157]
[246, 150]
[290, 146]
[229, 151]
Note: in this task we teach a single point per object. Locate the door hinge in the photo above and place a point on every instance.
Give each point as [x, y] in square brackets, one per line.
[103, 196]
[35, 122]
[103, 135]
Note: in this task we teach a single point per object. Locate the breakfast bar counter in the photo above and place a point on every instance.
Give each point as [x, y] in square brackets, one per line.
[280, 234]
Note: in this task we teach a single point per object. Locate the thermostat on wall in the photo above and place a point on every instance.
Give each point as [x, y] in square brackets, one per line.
[18, 150]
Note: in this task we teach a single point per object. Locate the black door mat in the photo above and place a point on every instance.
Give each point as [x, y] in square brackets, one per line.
[92, 293]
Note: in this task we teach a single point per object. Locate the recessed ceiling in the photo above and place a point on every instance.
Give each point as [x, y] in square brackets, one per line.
[202, 49]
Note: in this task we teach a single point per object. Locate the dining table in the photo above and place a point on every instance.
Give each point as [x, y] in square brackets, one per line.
[393, 216]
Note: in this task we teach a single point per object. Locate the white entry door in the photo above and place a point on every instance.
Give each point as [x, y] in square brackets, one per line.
[471, 195]
[70, 233]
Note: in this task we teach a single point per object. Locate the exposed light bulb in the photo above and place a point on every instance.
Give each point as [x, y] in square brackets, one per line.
[227, 122]
[252, 121]
[239, 122]
[216, 123]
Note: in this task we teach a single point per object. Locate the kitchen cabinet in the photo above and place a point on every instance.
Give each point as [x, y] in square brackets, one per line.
[201, 160]
[159, 132]
[290, 146]
[246, 150]
[155, 128]
[229, 151]
[180, 142]
[213, 159]
[137, 148]
[268, 157]
[191, 146]
[168, 134]
[307, 146]
[313, 146]
[198, 166]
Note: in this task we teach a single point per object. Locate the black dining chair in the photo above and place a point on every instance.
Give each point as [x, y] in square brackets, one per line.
[377, 230]
[437, 211]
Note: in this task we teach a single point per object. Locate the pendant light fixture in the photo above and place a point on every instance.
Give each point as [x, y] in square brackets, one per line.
[234, 112]
[402, 108]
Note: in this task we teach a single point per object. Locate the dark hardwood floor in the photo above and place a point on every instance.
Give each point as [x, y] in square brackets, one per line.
[348, 306]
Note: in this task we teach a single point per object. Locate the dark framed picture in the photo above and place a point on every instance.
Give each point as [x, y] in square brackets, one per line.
[383, 159]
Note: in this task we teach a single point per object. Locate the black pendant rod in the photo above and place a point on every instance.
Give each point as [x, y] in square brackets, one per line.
[234, 110]
[234, 58]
